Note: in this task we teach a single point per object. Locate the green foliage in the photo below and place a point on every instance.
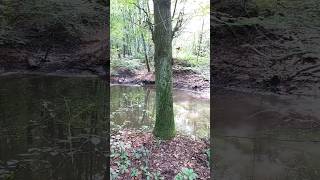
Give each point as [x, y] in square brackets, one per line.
[141, 152]
[126, 24]
[145, 169]
[200, 65]
[123, 168]
[186, 174]
[120, 155]
[125, 64]
[157, 176]
[113, 153]
[207, 151]
[113, 174]
[134, 172]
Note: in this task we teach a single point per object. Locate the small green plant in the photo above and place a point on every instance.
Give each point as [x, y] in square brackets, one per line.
[186, 174]
[113, 174]
[144, 169]
[134, 172]
[137, 154]
[114, 154]
[148, 175]
[123, 155]
[141, 152]
[146, 172]
[123, 168]
[124, 163]
[207, 151]
[157, 176]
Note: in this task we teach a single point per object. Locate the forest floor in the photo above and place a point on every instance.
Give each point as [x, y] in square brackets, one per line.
[139, 155]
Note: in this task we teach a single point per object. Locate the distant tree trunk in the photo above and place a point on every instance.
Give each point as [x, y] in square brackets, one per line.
[118, 51]
[145, 52]
[137, 43]
[162, 37]
[200, 40]
[124, 48]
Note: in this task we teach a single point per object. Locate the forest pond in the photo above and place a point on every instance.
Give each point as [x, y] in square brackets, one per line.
[134, 107]
[53, 128]
[56, 127]
[265, 137]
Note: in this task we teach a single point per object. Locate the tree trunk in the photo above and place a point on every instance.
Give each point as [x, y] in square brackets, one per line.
[118, 51]
[200, 40]
[162, 37]
[124, 48]
[145, 52]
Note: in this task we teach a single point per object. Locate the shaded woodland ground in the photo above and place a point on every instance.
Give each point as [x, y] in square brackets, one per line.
[269, 46]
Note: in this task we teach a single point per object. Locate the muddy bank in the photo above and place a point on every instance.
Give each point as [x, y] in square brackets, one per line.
[54, 37]
[253, 62]
[276, 52]
[182, 79]
[89, 56]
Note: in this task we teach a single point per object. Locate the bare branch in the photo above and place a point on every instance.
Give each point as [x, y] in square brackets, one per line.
[148, 19]
[179, 24]
[181, 20]
[174, 10]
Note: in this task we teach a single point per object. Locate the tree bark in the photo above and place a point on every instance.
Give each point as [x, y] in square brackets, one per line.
[162, 37]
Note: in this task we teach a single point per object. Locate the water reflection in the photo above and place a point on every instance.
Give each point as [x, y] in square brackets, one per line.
[53, 128]
[265, 137]
[134, 107]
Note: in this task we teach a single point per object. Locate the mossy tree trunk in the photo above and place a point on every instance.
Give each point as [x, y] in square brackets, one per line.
[162, 37]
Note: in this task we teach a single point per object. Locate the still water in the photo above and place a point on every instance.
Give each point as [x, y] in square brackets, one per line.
[264, 137]
[134, 107]
[56, 127]
[53, 128]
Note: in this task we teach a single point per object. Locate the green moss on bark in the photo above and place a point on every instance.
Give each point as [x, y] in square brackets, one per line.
[162, 37]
